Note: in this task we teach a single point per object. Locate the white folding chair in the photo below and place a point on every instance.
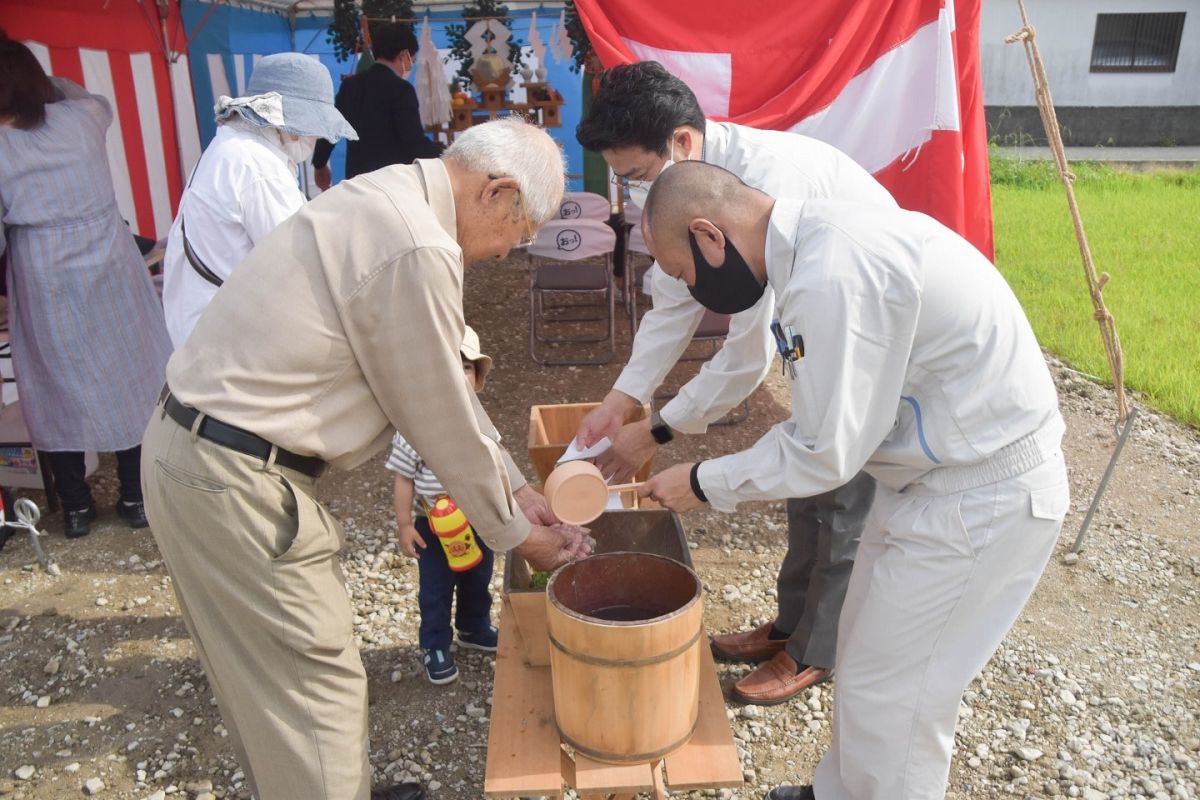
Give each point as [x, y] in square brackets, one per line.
[638, 262]
[584, 205]
[572, 259]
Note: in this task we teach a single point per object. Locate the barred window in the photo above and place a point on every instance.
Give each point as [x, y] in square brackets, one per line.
[1137, 42]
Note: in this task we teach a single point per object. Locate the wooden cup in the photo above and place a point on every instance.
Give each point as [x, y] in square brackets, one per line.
[577, 492]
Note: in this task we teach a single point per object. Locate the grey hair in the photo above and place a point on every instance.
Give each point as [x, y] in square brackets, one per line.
[513, 147]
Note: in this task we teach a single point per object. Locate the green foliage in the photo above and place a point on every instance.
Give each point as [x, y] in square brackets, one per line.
[460, 48]
[345, 29]
[1142, 230]
[578, 36]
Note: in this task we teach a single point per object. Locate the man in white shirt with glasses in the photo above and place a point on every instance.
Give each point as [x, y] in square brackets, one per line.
[642, 121]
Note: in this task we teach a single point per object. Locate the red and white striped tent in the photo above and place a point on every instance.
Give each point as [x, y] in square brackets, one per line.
[135, 53]
[118, 49]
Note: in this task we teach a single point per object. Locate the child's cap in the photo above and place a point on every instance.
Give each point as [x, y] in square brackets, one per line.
[471, 352]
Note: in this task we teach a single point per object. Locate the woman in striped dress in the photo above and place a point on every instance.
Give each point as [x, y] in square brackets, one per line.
[89, 343]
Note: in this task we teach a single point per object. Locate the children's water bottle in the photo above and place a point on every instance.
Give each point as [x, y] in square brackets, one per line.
[456, 535]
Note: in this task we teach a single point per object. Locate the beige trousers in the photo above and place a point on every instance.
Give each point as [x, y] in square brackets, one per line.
[254, 561]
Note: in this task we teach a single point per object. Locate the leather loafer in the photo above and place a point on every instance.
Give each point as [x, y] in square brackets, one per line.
[750, 647]
[791, 793]
[77, 524]
[133, 513]
[399, 791]
[777, 681]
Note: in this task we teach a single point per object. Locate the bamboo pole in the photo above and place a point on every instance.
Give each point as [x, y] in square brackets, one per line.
[1104, 318]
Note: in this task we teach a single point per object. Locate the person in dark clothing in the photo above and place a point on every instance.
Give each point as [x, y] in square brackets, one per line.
[382, 107]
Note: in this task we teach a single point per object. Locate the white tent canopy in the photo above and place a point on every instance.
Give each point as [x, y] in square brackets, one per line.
[325, 7]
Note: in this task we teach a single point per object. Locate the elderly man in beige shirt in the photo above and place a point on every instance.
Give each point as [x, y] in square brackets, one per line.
[343, 325]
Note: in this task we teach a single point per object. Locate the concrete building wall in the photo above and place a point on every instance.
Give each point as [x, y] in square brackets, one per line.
[1093, 108]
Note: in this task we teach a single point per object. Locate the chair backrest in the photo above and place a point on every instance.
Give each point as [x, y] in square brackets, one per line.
[712, 326]
[574, 239]
[584, 205]
[635, 241]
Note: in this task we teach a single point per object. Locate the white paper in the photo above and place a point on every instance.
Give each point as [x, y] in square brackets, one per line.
[574, 452]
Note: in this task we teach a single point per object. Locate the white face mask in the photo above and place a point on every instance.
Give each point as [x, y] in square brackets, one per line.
[299, 149]
[639, 190]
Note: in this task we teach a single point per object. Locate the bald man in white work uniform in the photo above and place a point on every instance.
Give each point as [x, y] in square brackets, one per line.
[912, 359]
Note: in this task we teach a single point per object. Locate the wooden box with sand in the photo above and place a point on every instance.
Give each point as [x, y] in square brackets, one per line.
[552, 427]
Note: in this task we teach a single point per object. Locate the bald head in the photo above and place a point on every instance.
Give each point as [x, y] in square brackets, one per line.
[698, 198]
[691, 189]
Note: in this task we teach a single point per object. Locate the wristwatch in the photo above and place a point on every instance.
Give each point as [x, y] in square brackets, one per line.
[659, 429]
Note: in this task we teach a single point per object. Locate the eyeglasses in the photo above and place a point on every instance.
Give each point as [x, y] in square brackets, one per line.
[626, 183]
[532, 237]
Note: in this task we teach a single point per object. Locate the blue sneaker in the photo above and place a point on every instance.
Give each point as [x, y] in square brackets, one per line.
[485, 639]
[439, 667]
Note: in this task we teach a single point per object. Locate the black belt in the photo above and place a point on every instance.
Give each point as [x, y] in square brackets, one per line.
[242, 441]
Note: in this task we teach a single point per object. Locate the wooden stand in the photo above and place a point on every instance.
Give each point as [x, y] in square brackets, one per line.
[526, 758]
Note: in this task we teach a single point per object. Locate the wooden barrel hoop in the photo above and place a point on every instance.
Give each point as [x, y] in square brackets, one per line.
[626, 664]
[627, 758]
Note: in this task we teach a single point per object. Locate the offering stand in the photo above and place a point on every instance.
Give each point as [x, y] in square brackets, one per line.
[526, 756]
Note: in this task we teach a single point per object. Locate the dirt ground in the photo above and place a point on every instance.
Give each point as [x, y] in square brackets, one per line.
[1099, 678]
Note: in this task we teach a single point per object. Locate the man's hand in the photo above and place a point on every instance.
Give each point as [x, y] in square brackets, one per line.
[534, 506]
[549, 548]
[410, 539]
[632, 447]
[672, 488]
[605, 419]
[323, 177]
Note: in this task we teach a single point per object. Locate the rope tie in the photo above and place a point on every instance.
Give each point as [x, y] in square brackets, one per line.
[1108, 327]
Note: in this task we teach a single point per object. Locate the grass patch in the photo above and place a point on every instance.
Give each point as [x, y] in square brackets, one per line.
[1144, 230]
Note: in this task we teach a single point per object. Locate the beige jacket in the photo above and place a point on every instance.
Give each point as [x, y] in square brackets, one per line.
[345, 323]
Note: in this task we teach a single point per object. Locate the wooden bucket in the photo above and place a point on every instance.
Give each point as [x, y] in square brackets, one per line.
[625, 634]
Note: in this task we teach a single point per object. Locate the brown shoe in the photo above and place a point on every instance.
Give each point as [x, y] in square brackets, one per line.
[777, 681]
[749, 647]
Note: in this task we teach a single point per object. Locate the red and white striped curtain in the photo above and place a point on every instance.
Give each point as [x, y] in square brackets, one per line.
[115, 48]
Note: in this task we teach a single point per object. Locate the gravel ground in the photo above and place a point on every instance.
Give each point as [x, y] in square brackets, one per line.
[1093, 694]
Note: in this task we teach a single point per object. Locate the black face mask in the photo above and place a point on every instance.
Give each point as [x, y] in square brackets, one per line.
[729, 288]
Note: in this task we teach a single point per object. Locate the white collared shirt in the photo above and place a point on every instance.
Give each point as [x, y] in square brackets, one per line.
[782, 165]
[917, 356]
[243, 187]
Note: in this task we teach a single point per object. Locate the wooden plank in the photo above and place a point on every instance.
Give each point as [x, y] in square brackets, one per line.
[528, 610]
[523, 745]
[568, 767]
[660, 786]
[594, 777]
[709, 760]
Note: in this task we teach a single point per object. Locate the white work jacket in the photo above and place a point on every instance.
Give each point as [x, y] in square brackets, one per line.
[243, 187]
[917, 357]
[782, 165]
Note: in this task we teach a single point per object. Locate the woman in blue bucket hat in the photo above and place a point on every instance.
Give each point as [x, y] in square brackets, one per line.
[245, 183]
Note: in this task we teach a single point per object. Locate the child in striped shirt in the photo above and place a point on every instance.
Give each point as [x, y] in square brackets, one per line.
[417, 494]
